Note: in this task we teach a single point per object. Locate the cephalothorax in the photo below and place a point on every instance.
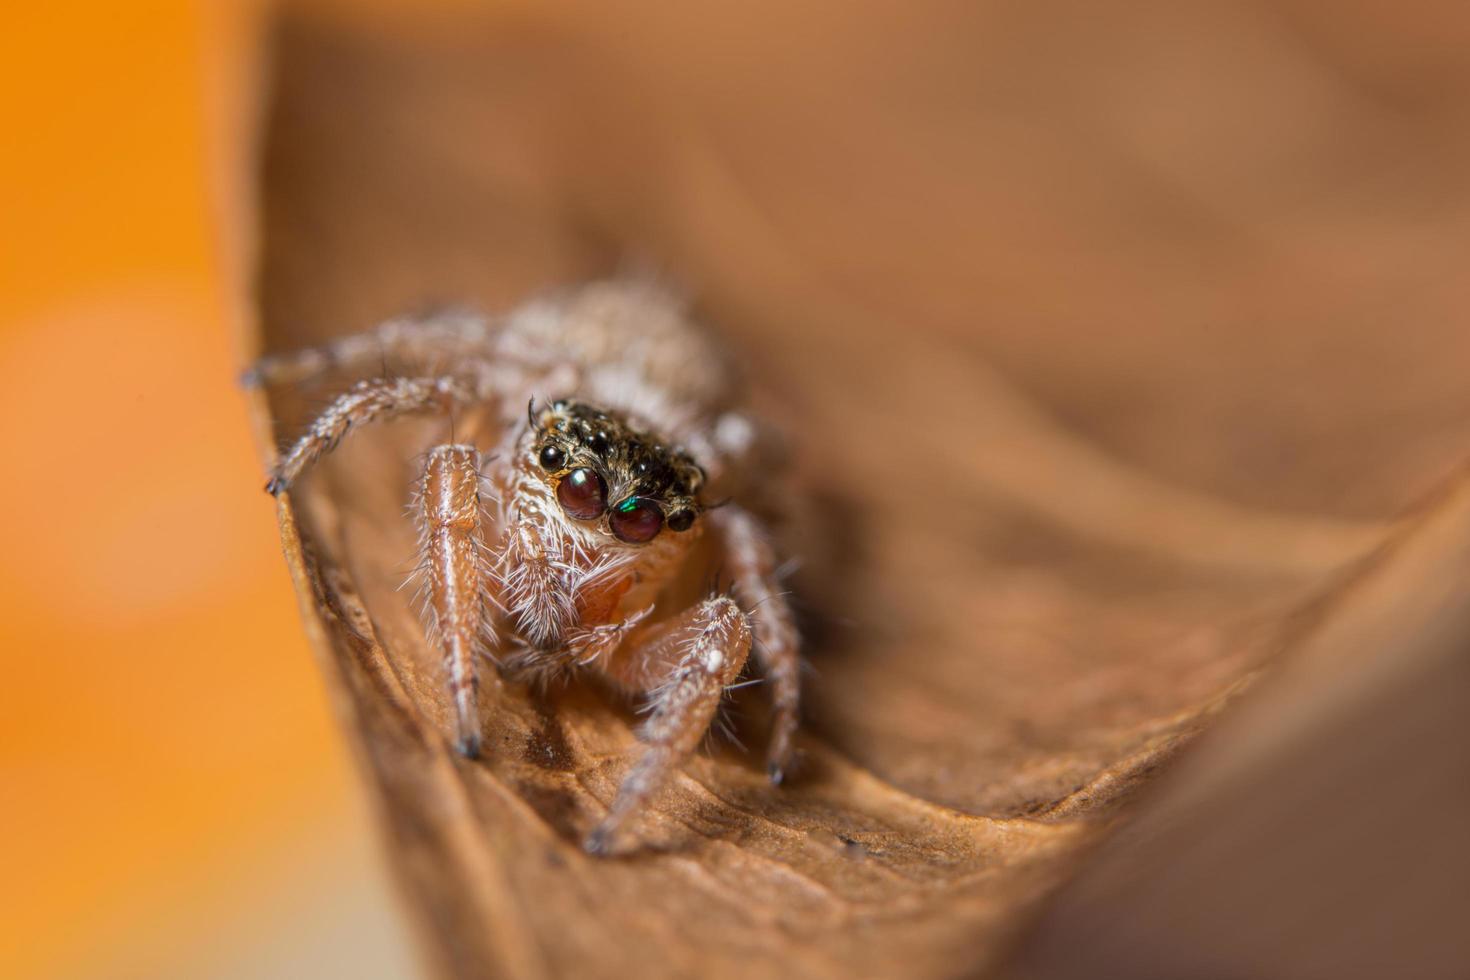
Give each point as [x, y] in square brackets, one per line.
[565, 548]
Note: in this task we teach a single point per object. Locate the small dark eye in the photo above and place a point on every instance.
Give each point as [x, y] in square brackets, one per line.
[582, 494]
[636, 520]
[681, 520]
[552, 457]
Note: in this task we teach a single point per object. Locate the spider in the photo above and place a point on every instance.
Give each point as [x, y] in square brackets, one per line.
[565, 550]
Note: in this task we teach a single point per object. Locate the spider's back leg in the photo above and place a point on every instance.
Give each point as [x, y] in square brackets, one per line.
[366, 401]
[752, 562]
[423, 343]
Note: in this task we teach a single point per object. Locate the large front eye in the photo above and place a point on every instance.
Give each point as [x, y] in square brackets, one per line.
[636, 520]
[582, 494]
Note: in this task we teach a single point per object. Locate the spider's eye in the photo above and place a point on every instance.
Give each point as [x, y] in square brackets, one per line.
[552, 457]
[681, 520]
[636, 520]
[583, 494]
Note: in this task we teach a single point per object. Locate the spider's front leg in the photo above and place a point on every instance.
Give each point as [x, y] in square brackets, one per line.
[457, 578]
[685, 664]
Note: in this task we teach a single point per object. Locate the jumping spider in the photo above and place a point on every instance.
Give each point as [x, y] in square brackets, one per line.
[564, 550]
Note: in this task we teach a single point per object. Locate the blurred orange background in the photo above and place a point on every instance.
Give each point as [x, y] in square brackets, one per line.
[165, 811]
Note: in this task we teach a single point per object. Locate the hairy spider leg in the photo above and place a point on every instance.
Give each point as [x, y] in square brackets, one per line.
[456, 570]
[423, 342]
[366, 401]
[685, 665]
[751, 561]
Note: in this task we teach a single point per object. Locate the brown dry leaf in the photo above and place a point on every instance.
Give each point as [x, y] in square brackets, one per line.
[1105, 347]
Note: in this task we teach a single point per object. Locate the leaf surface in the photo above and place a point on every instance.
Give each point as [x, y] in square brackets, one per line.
[1085, 423]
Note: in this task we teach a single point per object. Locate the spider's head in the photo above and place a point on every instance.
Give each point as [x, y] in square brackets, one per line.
[605, 471]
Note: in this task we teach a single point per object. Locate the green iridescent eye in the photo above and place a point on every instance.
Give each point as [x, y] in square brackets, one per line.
[636, 520]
